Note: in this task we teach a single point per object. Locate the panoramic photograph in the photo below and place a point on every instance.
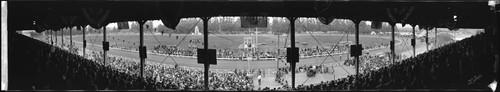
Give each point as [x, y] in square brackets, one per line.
[250, 45]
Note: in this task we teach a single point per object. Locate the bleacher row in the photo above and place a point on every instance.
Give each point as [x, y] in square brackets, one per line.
[467, 64]
[41, 66]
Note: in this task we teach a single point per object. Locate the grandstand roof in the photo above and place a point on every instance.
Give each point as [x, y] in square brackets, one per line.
[471, 13]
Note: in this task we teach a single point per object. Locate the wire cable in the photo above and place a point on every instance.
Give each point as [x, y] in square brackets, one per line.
[169, 55]
[183, 38]
[329, 54]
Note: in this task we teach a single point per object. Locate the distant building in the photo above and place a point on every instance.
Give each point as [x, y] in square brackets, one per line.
[196, 31]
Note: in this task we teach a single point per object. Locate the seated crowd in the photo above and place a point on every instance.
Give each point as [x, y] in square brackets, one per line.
[371, 62]
[56, 68]
[261, 53]
[465, 64]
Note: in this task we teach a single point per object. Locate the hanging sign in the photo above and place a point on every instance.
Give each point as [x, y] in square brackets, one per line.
[399, 14]
[326, 20]
[96, 16]
[123, 25]
[253, 22]
[68, 20]
[376, 25]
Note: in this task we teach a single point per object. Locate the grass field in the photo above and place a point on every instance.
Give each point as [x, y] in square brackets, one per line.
[231, 41]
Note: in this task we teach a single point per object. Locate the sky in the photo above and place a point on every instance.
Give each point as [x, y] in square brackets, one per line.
[158, 22]
[155, 24]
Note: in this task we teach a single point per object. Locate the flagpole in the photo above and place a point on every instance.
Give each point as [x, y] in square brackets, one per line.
[256, 43]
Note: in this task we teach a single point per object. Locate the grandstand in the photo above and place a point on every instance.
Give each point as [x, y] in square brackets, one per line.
[281, 45]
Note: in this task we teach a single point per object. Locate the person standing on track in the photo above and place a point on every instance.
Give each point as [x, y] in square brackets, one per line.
[259, 78]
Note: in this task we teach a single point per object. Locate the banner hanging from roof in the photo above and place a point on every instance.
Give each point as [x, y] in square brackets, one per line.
[326, 20]
[96, 16]
[68, 20]
[399, 14]
[122, 25]
[376, 25]
[170, 16]
[171, 22]
[253, 22]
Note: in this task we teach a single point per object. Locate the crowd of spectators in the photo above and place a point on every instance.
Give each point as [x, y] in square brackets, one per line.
[284, 70]
[172, 50]
[242, 54]
[57, 68]
[465, 64]
[371, 62]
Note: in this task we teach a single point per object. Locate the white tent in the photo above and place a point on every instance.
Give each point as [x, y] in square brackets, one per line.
[373, 33]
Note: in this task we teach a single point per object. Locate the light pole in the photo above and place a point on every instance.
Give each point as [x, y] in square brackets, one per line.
[278, 54]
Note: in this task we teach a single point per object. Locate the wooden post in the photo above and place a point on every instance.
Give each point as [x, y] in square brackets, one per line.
[104, 40]
[427, 39]
[55, 36]
[435, 37]
[393, 44]
[141, 44]
[62, 37]
[356, 23]
[205, 46]
[51, 39]
[414, 41]
[292, 45]
[70, 37]
[84, 41]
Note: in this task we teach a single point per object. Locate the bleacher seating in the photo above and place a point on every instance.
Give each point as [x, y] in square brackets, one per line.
[466, 64]
[40, 66]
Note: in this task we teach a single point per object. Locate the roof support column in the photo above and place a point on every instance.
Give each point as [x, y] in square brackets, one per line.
[205, 46]
[427, 39]
[84, 41]
[141, 44]
[70, 37]
[497, 28]
[51, 39]
[62, 37]
[413, 41]
[55, 36]
[435, 37]
[103, 45]
[356, 23]
[393, 43]
[292, 45]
